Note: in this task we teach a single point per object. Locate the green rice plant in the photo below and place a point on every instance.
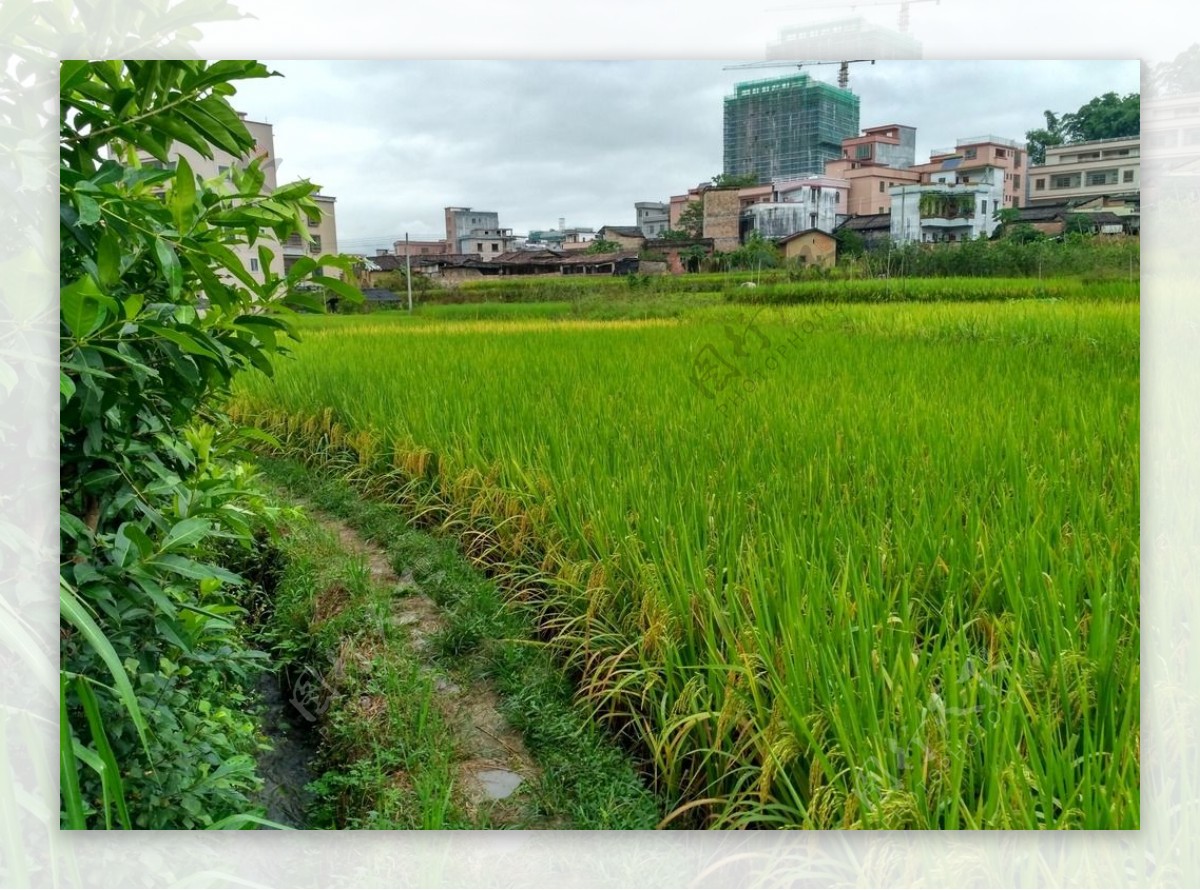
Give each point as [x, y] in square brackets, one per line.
[879, 571]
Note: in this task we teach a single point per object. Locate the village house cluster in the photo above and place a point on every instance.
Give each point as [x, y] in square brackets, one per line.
[816, 175]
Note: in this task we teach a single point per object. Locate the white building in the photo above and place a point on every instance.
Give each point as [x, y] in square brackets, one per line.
[945, 210]
[816, 202]
[653, 217]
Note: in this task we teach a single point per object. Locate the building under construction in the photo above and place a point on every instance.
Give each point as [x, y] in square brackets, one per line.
[786, 127]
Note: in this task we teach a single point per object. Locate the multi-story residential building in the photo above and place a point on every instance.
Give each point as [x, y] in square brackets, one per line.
[818, 202]
[873, 164]
[477, 232]
[976, 159]
[487, 243]
[786, 127]
[946, 210]
[653, 217]
[889, 145]
[1083, 171]
[324, 231]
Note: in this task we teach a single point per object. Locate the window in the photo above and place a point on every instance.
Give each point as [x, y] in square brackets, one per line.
[315, 247]
[1017, 160]
[495, 247]
[1016, 181]
[881, 186]
[1127, 176]
[253, 264]
[881, 210]
[1001, 153]
[222, 169]
[983, 207]
[862, 151]
[812, 220]
[1064, 181]
[1039, 185]
[1102, 177]
[837, 197]
[969, 154]
[479, 246]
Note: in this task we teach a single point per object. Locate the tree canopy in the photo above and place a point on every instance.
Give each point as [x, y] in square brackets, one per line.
[1108, 116]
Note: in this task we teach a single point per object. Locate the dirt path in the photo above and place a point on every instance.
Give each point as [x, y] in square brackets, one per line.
[495, 774]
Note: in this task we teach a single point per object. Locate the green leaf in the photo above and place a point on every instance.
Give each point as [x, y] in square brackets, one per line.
[75, 614]
[347, 291]
[71, 73]
[189, 568]
[69, 786]
[184, 341]
[110, 774]
[108, 259]
[89, 210]
[185, 533]
[305, 300]
[169, 263]
[66, 386]
[183, 195]
[133, 305]
[301, 268]
[80, 308]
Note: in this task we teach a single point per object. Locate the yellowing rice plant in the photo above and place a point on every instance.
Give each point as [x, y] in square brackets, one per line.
[861, 566]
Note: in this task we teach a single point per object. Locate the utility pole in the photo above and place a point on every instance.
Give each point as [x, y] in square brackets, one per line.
[408, 270]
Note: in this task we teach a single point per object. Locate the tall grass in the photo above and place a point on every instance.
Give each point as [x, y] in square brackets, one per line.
[887, 577]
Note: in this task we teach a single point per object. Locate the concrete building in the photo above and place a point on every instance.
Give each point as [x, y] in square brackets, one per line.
[653, 217]
[477, 232]
[753, 194]
[811, 247]
[974, 160]
[873, 164]
[786, 127]
[875, 229]
[722, 218]
[628, 237]
[1082, 171]
[890, 145]
[945, 210]
[815, 203]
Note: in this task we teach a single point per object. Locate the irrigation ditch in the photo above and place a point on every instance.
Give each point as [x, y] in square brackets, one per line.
[384, 705]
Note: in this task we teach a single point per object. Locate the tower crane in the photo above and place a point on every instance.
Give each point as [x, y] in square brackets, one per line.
[843, 67]
[903, 4]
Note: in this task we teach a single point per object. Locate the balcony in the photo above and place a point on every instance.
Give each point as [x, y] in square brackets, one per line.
[293, 246]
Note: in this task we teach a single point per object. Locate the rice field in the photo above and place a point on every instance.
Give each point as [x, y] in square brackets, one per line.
[861, 566]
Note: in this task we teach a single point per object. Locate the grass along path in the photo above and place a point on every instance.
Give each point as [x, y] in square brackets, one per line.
[401, 649]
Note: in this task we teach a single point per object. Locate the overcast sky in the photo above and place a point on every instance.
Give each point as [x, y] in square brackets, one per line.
[396, 141]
